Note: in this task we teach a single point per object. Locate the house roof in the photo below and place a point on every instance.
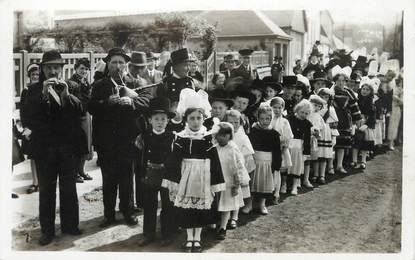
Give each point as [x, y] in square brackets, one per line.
[295, 20]
[243, 23]
[230, 23]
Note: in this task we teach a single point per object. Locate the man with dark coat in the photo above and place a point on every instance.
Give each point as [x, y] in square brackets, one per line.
[245, 70]
[277, 69]
[53, 116]
[179, 79]
[115, 109]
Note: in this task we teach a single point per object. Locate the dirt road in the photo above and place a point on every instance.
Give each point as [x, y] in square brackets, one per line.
[360, 213]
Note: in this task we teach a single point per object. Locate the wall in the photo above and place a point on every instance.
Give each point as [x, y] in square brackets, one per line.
[313, 31]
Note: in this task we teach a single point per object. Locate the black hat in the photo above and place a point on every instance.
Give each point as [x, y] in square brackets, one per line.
[331, 64]
[289, 80]
[246, 52]
[114, 52]
[181, 55]
[277, 58]
[52, 57]
[320, 76]
[244, 91]
[270, 82]
[231, 57]
[361, 63]
[220, 95]
[160, 105]
[258, 84]
[138, 58]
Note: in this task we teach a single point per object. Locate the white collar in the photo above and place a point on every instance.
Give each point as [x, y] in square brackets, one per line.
[175, 121]
[192, 134]
[159, 133]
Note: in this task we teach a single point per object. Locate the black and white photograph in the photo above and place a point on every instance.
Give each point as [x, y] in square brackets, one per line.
[208, 129]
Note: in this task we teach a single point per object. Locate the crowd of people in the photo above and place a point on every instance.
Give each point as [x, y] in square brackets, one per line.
[211, 153]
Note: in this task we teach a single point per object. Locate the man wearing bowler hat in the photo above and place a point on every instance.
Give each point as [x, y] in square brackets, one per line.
[136, 68]
[53, 115]
[179, 79]
[115, 109]
[245, 70]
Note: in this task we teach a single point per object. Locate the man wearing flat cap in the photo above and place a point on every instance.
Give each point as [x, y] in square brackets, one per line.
[245, 70]
[53, 116]
[179, 79]
[115, 109]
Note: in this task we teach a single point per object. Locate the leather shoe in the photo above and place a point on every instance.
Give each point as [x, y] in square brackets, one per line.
[107, 222]
[45, 239]
[73, 232]
[130, 220]
[146, 241]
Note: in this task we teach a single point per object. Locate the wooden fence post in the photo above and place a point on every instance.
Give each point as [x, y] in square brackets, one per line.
[92, 64]
[25, 63]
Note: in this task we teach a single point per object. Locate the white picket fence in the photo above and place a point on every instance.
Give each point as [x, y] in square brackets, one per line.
[208, 67]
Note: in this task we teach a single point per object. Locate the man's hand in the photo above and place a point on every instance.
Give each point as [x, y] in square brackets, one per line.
[125, 101]
[114, 99]
[26, 133]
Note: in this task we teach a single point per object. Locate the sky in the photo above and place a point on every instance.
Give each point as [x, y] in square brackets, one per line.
[385, 17]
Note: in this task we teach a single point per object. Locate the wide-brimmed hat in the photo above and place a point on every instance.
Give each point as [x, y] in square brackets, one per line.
[116, 52]
[246, 52]
[320, 76]
[315, 52]
[52, 57]
[289, 81]
[361, 63]
[243, 90]
[270, 82]
[160, 105]
[220, 95]
[180, 56]
[138, 58]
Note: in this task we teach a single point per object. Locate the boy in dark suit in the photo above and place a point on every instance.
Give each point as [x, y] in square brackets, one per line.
[156, 145]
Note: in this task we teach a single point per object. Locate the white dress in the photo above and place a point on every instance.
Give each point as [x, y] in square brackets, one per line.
[282, 126]
[395, 115]
[247, 151]
[318, 123]
[232, 165]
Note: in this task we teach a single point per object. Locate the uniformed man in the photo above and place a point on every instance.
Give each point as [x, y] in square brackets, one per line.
[115, 111]
[277, 69]
[245, 70]
[179, 79]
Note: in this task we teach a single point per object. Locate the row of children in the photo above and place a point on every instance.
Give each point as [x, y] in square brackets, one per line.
[211, 155]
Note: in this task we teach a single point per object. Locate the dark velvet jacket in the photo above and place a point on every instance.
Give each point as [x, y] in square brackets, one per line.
[115, 126]
[267, 140]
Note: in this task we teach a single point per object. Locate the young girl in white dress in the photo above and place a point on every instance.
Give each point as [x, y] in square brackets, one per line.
[281, 124]
[232, 163]
[245, 147]
[330, 118]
